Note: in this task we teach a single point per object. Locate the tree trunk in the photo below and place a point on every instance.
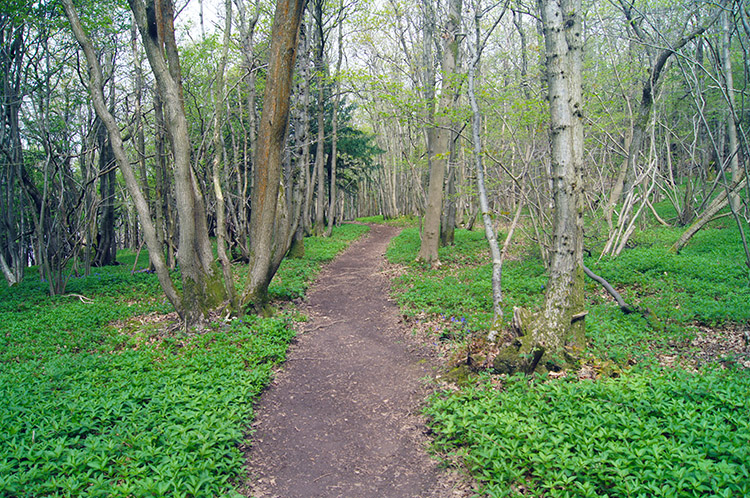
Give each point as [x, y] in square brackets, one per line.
[11, 200]
[97, 97]
[219, 154]
[332, 198]
[140, 134]
[297, 249]
[318, 226]
[247, 33]
[106, 250]
[558, 330]
[489, 231]
[202, 289]
[726, 63]
[270, 147]
[448, 220]
[717, 204]
[428, 249]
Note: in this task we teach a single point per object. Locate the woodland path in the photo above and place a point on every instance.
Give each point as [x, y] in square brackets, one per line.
[342, 419]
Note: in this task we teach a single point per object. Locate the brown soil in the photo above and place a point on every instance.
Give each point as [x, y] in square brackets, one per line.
[343, 417]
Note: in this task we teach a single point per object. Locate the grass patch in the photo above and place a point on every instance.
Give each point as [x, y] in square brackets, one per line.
[89, 410]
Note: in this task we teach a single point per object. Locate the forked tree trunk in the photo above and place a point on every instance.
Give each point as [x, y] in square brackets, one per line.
[269, 153]
[202, 288]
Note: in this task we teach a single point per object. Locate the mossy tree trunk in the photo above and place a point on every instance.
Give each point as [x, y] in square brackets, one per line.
[557, 331]
[202, 287]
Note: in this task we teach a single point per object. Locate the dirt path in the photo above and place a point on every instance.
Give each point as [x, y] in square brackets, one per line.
[342, 418]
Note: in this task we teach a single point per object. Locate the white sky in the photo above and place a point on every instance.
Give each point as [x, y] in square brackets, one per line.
[191, 15]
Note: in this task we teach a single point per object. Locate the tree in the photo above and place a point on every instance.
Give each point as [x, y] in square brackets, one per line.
[219, 151]
[12, 51]
[628, 176]
[475, 51]
[558, 329]
[202, 289]
[320, 71]
[269, 235]
[439, 137]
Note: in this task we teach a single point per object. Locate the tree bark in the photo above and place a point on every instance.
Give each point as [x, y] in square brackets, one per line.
[318, 226]
[438, 146]
[268, 155]
[11, 203]
[489, 230]
[97, 97]
[332, 197]
[219, 154]
[202, 289]
[726, 64]
[558, 329]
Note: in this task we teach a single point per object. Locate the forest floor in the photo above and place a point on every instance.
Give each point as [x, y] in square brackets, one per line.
[343, 417]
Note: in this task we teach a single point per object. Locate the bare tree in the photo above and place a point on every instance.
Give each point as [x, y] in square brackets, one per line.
[201, 281]
[12, 52]
[475, 50]
[219, 155]
[628, 177]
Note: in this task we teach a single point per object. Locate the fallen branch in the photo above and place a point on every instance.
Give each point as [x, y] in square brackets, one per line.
[84, 299]
[612, 292]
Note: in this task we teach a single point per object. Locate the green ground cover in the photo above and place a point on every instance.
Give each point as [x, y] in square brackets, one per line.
[89, 409]
[677, 431]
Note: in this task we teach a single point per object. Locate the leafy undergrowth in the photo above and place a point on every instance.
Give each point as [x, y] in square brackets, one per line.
[681, 430]
[90, 409]
[460, 288]
[669, 433]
